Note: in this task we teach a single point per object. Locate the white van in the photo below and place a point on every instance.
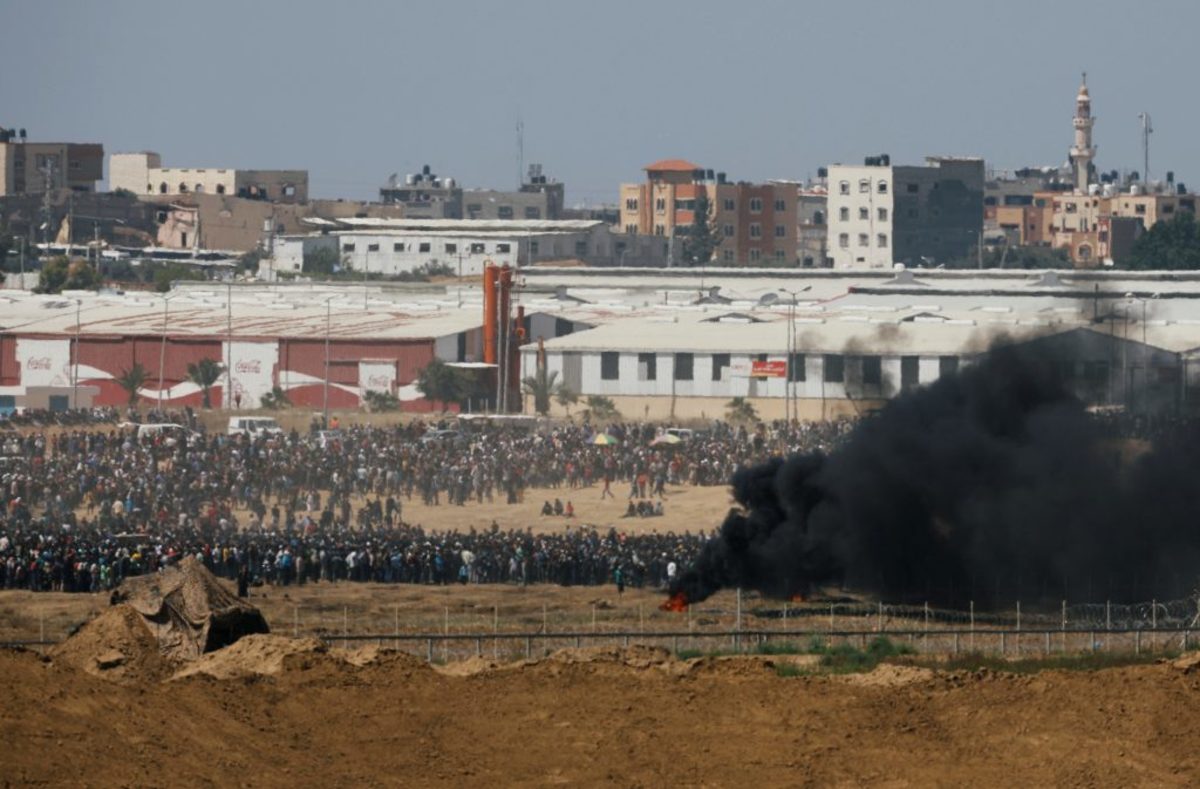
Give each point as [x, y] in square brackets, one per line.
[253, 426]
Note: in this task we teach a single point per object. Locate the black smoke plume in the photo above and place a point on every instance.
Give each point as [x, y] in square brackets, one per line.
[990, 485]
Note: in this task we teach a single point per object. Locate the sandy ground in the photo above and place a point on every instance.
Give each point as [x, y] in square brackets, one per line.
[287, 713]
[686, 508]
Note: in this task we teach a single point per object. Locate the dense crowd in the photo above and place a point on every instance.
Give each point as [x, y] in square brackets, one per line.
[85, 508]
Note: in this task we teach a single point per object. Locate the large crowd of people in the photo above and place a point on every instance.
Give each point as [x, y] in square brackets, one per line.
[84, 508]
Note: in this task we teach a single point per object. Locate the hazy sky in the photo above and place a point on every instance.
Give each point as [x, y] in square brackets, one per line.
[354, 91]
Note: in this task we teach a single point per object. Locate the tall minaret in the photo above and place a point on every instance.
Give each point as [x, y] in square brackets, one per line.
[1082, 152]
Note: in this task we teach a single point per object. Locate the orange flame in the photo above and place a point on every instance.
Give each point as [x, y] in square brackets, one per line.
[677, 602]
[799, 597]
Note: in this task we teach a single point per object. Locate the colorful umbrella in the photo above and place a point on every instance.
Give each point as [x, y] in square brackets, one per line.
[604, 440]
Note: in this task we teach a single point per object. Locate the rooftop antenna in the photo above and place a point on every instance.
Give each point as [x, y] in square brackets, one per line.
[1147, 130]
[520, 150]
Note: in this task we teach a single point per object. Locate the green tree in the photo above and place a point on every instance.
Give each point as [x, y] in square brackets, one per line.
[703, 236]
[323, 260]
[442, 383]
[381, 401]
[275, 399]
[167, 273]
[131, 381]
[542, 386]
[1021, 257]
[204, 374]
[1172, 245]
[601, 408]
[740, 410]
[59, 274]
[125, 193]
[566, 397]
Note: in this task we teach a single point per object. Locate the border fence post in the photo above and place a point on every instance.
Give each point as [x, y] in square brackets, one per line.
[1108, 614]
[1018, 644]
[972, 625]
[1064, 625]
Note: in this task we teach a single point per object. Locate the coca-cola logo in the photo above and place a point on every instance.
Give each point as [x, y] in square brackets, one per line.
[379, 382]
[40, 363]
[252, 366]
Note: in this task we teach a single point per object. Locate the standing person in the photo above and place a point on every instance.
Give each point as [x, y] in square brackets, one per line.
[243, 581]
[619, 579]
[607, 487]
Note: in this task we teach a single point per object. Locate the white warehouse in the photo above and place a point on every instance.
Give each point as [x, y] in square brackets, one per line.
[396, 246]
[689, 365]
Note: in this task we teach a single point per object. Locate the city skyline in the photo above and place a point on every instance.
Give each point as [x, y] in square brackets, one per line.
[369, 90]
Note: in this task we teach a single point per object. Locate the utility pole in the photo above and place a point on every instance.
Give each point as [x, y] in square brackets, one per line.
[325, 397]
[229, 343]
[162, 352]
[75, 368]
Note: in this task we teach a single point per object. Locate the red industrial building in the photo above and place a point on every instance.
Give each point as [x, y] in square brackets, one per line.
[59, 351]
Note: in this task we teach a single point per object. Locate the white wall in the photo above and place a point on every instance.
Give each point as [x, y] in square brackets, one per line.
[856, 256]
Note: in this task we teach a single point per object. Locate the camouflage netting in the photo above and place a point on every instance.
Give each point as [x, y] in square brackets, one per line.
[188, 610]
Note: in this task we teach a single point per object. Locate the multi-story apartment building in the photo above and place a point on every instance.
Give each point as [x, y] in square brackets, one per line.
[756, 223]
[30, 167]
[880, 214]
[143, 175]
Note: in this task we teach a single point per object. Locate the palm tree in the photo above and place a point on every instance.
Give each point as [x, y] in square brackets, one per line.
[602, 409]
[204, 374]
[741, 410]
[543, 386]
[131, 381]
[566, 397]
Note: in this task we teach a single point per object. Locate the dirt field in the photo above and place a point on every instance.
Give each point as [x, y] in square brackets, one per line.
[598, 718]
[686, 508]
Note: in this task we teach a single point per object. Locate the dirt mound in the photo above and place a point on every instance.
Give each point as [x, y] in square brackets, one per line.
[252, 655]
[631, 656]
[116, 645]
[470, 667]
[1187, 662]
[733, 666]
[595, 723]
[271, 655]
[189, 609]
[890, 675]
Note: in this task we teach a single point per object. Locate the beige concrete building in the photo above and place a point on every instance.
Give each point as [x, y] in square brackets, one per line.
[143, 174]
[29, 167]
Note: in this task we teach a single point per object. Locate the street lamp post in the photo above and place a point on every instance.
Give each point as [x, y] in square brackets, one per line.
[229, 344]
[325, 394]
[162, 352]
[789, 379]
[366, 272]
[75, 368]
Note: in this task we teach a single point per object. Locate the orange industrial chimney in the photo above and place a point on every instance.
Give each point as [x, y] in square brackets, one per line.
[491, 315]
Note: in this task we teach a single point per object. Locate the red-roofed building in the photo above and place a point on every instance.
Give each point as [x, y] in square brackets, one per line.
[757, 222]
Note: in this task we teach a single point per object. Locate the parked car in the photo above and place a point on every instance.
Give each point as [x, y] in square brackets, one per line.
[253, 426]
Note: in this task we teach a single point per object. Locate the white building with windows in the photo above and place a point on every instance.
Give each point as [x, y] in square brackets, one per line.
[396, 246]
[688, 365]
[860, 215]
[880, 214]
